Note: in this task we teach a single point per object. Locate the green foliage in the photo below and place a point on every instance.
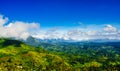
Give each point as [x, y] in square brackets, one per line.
[27, 58]
[17, 56]
[88, 56]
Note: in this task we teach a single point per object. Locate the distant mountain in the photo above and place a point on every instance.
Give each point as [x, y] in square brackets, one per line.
[37, 41]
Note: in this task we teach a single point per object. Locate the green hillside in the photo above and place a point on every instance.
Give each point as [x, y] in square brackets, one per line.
[18, 56]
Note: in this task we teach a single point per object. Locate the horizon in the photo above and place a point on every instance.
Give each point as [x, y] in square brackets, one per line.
[73, 19]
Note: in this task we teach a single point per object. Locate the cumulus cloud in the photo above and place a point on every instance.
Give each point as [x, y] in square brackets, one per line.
[17, 29]
[107, 32]
[91, 32]
[76, 34]
[22, 30]
[53, 33]
[109, 28]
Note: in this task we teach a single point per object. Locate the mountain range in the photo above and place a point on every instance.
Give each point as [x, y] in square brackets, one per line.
[37, 41]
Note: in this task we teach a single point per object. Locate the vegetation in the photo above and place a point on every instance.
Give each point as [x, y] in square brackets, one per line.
[18, 56]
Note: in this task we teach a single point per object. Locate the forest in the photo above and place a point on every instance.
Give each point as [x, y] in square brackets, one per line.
[16, 55]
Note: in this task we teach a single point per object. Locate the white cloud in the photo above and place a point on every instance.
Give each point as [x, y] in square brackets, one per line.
[79, 35]
[22, 30]
[17, 29]
[53, 33]
[93, 32]
[109, 28]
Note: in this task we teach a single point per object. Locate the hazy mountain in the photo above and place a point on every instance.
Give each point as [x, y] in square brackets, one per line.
[37, 41]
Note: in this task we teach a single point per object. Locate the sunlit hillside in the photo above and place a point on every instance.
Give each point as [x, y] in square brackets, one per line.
[18, 56]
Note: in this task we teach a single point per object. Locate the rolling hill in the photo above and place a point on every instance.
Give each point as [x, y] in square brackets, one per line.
[16, 55]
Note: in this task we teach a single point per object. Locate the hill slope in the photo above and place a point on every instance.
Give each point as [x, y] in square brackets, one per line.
[17, 56]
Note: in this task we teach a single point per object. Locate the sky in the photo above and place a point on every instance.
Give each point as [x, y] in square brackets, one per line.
[67, 18]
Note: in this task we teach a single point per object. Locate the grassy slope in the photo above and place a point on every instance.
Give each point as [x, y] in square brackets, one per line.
[17, 56]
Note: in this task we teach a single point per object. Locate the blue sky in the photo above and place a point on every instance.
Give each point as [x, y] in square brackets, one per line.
[66, 19]
[66, 13]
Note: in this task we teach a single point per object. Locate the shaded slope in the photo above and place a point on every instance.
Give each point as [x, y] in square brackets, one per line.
[8, 42]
